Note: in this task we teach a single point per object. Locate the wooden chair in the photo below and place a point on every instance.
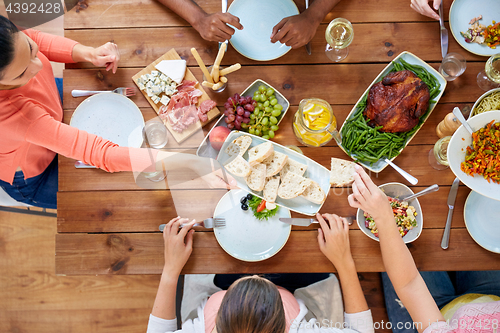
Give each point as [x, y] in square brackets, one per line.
[8, 204]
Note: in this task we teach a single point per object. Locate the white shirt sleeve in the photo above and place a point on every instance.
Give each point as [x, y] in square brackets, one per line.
[360, 321]
[159, 325]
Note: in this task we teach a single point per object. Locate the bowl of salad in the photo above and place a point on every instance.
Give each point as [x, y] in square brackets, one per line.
[407, 215]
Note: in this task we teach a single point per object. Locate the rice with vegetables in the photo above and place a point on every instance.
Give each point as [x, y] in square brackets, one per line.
[404, 215]
[483, 158]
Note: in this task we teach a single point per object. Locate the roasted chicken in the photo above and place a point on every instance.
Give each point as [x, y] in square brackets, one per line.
[397, 102]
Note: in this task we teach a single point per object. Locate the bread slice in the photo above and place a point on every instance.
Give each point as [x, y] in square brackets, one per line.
[342, 172]
[259, 153]
[257, 177]
[239, 167]
[275, 163]
[293, 166]
[292, 186]
[271, 189]
[239, 145]
[314, 193]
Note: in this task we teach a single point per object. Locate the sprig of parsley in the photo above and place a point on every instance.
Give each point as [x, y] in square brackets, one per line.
[266, 213]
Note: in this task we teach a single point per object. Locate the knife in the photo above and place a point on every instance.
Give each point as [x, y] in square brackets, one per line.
[444, 31]
[451, 204]
[308, 45]
[305, 222]
[224, 10]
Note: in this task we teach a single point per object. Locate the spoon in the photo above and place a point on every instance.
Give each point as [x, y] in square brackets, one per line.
[460, 117]
[403, 173]
[430, 189]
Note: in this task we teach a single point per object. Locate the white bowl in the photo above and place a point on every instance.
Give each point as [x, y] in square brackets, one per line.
[457, 150]
[395, 190]
[489, 92]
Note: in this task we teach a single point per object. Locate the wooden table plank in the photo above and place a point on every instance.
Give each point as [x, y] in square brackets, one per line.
[139, 47]
[144, 211]
[143, 254]
[150, 13]
[335, 83]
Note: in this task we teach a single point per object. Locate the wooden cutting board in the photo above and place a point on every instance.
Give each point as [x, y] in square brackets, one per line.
[193, 128]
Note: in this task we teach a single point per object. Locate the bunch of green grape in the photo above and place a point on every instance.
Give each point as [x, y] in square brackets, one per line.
[265, 117]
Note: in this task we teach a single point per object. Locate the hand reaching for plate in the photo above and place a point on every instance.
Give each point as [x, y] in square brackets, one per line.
[294, 31]
[214, 27]
[422, 7]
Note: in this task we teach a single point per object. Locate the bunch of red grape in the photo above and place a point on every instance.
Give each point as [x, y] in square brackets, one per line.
[238, 110]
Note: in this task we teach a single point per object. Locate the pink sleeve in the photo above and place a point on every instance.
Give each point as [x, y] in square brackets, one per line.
[55, 48]
[71, 142]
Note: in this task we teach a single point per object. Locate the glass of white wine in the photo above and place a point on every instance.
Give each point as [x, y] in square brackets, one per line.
[490, 77]
[339, 35]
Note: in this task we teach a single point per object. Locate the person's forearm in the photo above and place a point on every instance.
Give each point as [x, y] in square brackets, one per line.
[82, 53]
[187, 9]
[164, 305]
[354, 299]
[320, 8]
[171, 161]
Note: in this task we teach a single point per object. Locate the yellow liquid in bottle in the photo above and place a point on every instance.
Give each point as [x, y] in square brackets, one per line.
[316, 117]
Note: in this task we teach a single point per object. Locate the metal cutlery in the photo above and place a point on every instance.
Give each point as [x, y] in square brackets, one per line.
[122, 91]
[461, 118]
[224, 10]
[403, 173]
[427, 190]
[308, 45]
[210, 223]
[306, 222]
[82, 165]
[451, 205]
[444, 31]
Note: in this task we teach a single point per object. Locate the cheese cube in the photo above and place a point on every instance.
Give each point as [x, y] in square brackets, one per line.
[164, 100]
[154, 73]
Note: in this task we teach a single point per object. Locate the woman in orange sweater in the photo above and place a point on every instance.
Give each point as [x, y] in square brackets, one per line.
[31, 128]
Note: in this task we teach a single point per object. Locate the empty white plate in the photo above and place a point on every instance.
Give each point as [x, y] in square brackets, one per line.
[246, 238]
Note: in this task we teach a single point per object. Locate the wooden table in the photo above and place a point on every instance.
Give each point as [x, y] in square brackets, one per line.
[108, 225]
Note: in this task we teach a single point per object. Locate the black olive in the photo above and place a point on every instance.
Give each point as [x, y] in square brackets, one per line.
[249, 196]
[244, 206]
[243, 200]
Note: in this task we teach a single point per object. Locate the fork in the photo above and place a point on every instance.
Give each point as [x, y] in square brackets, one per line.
[122, 91]
[210, 223]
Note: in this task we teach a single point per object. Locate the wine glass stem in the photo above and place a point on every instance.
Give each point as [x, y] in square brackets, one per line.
[335, 54]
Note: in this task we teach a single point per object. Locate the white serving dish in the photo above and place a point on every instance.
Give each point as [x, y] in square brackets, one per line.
[315, 171]
[489, 92]
[457, 151]
[206, 150]
[245, 237]
[412, 60]
[396, 190]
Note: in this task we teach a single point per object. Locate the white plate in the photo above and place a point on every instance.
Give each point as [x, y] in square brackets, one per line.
[412, 60]
[111, 116]
[396, 190]
[258, 17]
[246, 238]
[315, 171]
[463, 11]
[457, 150]
[482, 219]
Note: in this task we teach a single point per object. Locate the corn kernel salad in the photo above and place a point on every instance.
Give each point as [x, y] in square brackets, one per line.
[483, 158]
[404, 215]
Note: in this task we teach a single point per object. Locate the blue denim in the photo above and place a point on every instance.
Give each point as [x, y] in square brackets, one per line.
[59, 84]
[444, 288]
[39, 191]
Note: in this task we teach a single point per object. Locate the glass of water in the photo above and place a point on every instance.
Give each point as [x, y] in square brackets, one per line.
[452, 66]
[157, 137]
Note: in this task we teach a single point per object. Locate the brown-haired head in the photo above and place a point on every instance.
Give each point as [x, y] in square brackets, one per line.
[251, 305]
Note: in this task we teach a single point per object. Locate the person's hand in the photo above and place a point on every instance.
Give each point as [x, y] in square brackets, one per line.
[368, 197]
[178, 244]
[107, 56]
[333, 239]
[294, 31]
[214, 27]
[422, 7]
[220, 179]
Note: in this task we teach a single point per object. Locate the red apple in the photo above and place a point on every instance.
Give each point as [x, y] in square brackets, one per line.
[218, 136]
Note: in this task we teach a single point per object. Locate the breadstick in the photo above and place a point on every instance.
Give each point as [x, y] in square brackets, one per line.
[201, 64]
[230, 69]
[207, 84]
[217, 85]
[223, 79]
[218, 59]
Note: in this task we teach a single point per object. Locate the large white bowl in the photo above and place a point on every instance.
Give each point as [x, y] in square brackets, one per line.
[457, 150]
[395, 190]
